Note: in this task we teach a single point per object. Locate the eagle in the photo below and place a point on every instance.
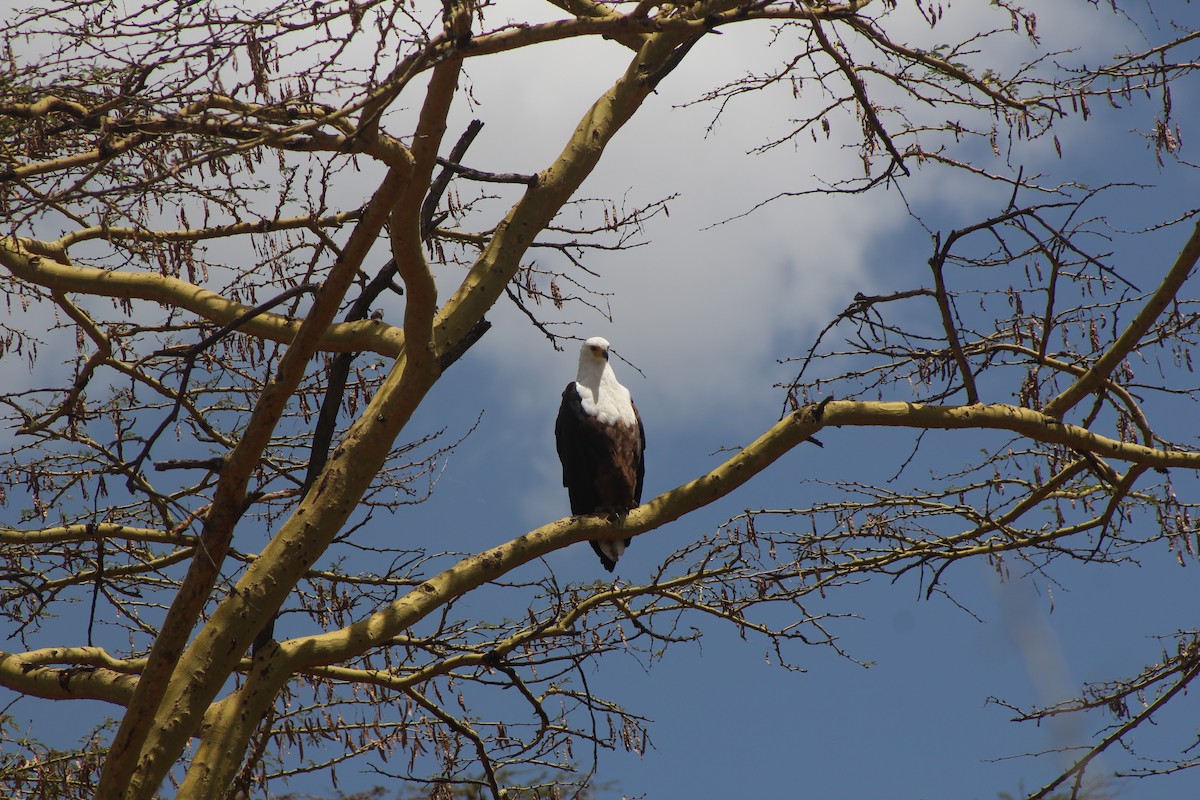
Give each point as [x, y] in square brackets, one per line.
[601, 444]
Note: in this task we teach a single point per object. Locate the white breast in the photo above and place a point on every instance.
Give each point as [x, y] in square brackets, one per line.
[607, 400]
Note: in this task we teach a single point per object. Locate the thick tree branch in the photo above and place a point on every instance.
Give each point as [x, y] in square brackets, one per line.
[175, 706]
[90, 532]
[340, 366]
[794, 429]
[300, 541]
[31, 261]
[406, 228]
[501, 259]
[1041, 427]
[72, 683]
[1163, 297]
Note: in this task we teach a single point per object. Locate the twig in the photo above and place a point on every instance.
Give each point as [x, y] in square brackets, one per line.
[860, 92]
[936, 263]
[456, 350]
[488, 177]
[438, 187]
[1120, 732]
[194, 352]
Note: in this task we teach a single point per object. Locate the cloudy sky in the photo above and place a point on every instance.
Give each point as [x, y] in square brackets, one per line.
[704, 313]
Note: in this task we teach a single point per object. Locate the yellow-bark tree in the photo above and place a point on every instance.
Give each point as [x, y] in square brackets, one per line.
[138, 141]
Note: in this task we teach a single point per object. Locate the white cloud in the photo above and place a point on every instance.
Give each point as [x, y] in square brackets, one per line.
[701, 309]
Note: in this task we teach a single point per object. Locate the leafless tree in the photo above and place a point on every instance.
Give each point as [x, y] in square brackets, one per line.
[170, 177]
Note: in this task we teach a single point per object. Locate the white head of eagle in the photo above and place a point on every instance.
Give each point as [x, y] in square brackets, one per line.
[601, 444]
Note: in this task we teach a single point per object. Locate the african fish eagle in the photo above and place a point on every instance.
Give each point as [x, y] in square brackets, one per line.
[601, 444]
